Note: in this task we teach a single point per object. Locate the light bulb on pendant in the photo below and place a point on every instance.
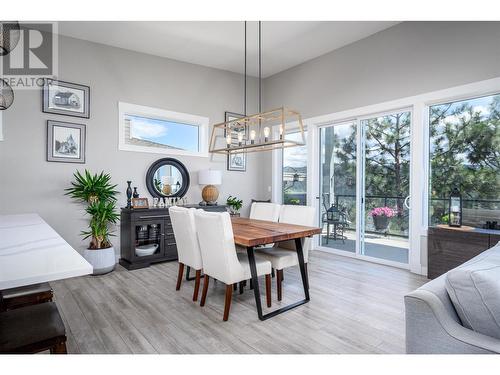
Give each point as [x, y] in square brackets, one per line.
[281, 132]
[229, 138]
[266, 133]
[240, 138]
[252, 136]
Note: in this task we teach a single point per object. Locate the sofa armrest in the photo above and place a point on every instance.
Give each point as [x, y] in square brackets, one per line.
[431, 330]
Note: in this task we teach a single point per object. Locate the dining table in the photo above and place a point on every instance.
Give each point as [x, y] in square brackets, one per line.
[252, 233]
[31, 252]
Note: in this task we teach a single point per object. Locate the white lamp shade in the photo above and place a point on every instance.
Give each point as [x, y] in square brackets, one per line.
[209, 177]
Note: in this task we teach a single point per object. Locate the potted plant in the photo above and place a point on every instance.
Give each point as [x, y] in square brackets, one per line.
[381, 217]
[234, 204]
[99, 195]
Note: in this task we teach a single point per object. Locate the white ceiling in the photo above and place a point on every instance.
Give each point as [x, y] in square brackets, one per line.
[220, 44]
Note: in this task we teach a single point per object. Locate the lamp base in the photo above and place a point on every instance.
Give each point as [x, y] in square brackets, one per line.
[210, 195]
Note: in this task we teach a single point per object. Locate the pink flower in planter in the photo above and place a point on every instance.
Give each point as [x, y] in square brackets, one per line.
[382, 211]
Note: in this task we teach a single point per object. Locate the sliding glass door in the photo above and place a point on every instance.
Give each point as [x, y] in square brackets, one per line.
[365, 186]
[386, 186]
[338, 186]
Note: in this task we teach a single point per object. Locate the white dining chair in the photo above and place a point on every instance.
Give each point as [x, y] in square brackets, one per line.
[265, 211]
[188, 248]
[283, 254]
[220, 259]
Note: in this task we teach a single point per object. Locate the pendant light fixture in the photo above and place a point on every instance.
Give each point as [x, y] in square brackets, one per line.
[263, 131]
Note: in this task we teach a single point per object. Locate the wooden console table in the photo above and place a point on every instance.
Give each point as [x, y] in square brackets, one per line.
[449, 247]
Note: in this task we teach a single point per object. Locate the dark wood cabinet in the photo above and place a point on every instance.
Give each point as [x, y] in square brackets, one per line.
[145, 231]
[449, 247]
[146, 237]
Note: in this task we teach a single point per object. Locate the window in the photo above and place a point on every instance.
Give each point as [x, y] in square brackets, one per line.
[465, 153]
[147, 129]
[294, 171]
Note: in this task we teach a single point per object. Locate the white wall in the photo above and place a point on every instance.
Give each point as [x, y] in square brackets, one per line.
[31, 184]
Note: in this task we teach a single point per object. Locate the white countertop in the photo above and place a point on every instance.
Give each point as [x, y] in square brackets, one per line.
[32, 252]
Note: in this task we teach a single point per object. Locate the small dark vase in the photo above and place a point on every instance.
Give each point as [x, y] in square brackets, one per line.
[381, 222]
[136, 194]
[129, 194]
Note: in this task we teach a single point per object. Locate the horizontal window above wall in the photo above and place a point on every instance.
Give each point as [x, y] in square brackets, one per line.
[154, 130]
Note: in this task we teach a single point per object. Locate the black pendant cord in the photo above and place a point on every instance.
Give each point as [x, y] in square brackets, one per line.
[245, 84]
[260, 69]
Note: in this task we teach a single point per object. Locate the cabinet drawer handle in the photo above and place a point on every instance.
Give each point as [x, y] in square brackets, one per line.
[153, 216]
[169, 233]
[170, 244]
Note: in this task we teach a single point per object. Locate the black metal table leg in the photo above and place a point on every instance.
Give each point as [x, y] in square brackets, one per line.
[303, 273]
[255, 282]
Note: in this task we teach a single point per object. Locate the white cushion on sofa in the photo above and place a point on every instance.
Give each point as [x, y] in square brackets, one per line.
[474, 289]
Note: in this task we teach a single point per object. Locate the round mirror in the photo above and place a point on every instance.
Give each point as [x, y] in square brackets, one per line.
[167, 178]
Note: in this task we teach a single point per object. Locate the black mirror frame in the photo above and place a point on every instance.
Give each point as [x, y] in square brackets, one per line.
[167, 161]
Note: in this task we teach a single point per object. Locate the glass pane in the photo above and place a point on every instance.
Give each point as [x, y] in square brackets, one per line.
[295, 172]
[147, 239]
[152, 132]
[387, 185]
[338, 186]
[465, 153]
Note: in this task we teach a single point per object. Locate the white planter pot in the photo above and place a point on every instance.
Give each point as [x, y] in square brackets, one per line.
[103, 260]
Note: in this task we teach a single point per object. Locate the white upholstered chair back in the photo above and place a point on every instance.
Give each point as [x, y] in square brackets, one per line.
[299, 215]
[265, 211]
[184, 227]
[215, 234]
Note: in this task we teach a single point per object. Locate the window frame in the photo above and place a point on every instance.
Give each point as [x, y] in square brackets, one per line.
[129, 109]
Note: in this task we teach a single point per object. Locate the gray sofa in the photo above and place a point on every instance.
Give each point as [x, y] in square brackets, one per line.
[434, 325]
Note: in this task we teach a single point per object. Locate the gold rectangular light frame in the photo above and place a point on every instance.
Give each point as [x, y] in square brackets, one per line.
[281, 118]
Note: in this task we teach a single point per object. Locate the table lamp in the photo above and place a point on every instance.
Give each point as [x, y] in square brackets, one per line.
[209, 178]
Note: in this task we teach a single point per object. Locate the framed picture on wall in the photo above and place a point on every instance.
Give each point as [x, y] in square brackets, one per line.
[236, 162]
[65, 142]
[65, 98]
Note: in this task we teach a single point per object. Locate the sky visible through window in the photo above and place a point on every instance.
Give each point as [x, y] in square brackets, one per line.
[167, 133]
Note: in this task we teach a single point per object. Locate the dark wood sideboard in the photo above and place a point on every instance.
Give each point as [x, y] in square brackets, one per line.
[449, 247]
[149, 227]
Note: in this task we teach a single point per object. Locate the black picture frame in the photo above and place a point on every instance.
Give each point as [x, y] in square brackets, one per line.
[182, 170]
[230, 157]
[78, 129]
[48, 108]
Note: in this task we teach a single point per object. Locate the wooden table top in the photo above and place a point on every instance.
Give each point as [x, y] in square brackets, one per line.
[250, 232]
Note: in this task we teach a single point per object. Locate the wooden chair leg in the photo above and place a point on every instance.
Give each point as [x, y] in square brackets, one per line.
[227, 304]
[179, 276]
[268, 290]
[242, 285]
[59, 348]
[205, 290]
[196, 285]
[279, 277]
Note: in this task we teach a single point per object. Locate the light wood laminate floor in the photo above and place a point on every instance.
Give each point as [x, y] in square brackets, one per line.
[355, 307]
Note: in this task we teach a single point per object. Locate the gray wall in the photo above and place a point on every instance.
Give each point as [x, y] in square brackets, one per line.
[30, 184]
[408, 59]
